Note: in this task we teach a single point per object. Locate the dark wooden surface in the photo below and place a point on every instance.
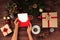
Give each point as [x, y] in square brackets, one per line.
[22, 32]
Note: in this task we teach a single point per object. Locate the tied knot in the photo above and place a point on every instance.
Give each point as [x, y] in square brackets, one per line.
[48, 17]
[5, 30]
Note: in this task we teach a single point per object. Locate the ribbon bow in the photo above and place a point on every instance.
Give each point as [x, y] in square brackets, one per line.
[5, 30]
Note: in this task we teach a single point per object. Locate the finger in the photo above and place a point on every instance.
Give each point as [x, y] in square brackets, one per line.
[15, 20]
[30, 25]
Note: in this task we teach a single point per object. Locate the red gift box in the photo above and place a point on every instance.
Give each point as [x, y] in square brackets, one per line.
[22, 23]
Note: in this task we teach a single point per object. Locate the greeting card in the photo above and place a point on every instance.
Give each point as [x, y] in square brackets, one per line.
[23, 20]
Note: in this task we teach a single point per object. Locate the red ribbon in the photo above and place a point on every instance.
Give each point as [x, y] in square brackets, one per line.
[5, 30]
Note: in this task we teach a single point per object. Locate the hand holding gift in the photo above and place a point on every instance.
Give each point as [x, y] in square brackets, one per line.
[16, 23]
[29, 29]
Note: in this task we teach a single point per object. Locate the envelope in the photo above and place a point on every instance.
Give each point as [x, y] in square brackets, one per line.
[23, 20]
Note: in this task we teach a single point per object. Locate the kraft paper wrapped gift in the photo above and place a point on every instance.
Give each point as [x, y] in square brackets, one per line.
[49, 20]
[23, 20]
[6, 30]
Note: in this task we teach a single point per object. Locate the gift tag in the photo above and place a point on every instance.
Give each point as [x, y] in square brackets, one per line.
[36, 29]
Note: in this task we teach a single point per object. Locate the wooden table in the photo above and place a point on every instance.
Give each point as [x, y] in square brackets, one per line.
[22, 31]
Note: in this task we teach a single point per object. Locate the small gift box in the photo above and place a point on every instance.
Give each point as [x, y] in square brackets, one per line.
[6, 30]
[49, 20]
[23, 20]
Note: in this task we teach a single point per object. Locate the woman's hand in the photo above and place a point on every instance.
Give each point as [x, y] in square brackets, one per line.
[15, 34]
[16, 23]
[29, 29]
